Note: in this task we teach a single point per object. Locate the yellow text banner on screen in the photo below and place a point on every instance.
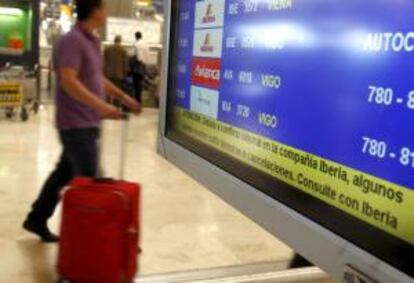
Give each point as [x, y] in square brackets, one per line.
[378, 202]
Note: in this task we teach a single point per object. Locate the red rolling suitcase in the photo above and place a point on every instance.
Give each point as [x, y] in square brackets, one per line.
[100, 230]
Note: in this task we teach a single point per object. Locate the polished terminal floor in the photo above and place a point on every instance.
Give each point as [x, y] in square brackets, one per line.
[185, 227]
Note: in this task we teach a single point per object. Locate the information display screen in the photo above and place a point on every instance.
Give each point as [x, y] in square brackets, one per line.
[310, 102]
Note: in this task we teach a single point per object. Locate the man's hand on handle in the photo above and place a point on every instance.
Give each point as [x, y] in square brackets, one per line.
[131, 103]
[110, 112]
[117, 93]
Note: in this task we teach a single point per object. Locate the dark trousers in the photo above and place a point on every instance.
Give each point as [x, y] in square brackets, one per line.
[118, 83]
[138, 86]
[79, 158]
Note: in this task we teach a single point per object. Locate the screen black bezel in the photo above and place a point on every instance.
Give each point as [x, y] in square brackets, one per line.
[386, 247]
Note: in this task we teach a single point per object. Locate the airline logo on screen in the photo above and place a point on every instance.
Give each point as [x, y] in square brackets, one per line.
[209, 18]
[204, 101]
[209, 13]
[208, 43]
[206, 72]
[207, 46]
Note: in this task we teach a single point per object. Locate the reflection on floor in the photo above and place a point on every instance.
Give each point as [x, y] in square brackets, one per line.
[185, 227]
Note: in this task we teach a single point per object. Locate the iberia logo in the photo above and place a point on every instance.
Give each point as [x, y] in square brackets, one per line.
[206, 72]
[209, 16]
[207, 47]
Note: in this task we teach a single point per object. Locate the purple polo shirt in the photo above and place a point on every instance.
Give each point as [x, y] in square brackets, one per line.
[78, 50]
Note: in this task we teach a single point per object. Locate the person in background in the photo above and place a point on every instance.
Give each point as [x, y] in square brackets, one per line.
[137, 67]
[139, 45]
[116, 63]
[80, 106]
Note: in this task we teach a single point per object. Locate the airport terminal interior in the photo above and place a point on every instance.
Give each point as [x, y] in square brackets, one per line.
[185, 227]
[242, 180]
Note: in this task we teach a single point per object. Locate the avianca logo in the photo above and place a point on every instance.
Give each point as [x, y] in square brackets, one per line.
[207, 47]
[209, 16]
[206, 72]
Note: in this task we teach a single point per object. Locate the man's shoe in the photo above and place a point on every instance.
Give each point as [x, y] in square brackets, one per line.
[42, 231]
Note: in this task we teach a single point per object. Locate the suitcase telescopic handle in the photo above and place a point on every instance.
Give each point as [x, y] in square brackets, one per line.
[123, 145]
[122, 148]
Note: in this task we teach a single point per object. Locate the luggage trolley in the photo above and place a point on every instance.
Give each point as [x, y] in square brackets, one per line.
[18, 92]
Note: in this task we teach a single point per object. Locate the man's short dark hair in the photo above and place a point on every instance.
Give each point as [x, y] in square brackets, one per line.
[138, 35]
[118, 39]
[85, 8]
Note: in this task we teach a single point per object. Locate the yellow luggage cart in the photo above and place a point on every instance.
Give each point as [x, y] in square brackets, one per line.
[17, 93]
[11, 98]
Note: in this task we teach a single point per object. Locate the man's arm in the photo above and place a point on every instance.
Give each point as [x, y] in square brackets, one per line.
[70, 82]
[112, 90]
[117, 93]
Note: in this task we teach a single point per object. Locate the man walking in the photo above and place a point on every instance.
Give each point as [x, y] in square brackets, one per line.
[116, 62]
[137, 66]
[81, 90]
